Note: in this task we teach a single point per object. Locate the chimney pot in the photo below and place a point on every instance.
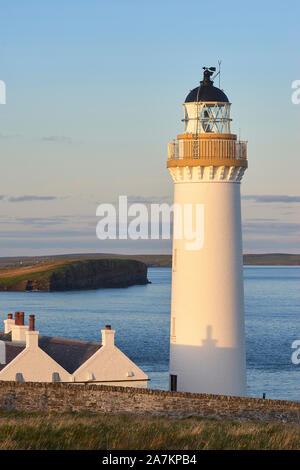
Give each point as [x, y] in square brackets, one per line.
[9, 316]
[31, 322]
[108, 327]
[21, 318]
[17, 320]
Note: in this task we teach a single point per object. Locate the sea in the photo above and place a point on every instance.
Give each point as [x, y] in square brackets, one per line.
[141, 316]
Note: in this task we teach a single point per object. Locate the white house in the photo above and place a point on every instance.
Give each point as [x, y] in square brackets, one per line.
[25, 356]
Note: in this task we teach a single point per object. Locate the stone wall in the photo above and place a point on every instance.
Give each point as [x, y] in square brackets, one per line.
[107, 399]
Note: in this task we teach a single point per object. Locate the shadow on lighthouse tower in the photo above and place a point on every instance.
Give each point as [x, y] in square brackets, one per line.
[211, 368]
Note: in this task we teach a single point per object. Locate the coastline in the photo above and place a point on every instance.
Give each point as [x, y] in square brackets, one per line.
[151, 260]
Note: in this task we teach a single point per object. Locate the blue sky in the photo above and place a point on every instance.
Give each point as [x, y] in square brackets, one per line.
[94, 93]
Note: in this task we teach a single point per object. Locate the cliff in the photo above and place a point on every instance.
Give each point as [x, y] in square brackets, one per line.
[72, 275]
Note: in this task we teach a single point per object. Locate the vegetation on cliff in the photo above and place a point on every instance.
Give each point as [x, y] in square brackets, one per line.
[71, 275]
[163, 261]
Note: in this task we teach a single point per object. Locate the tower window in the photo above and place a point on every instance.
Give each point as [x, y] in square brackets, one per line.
[173, 327]
[174, 259]
[173, 383]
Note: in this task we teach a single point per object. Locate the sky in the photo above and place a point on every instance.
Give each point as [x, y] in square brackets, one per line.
[94, 92]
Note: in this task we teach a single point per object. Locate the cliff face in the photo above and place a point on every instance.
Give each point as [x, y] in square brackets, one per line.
[86, 274]
[96, 274]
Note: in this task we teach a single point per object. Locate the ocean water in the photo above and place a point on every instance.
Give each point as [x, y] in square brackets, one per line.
[140, 315]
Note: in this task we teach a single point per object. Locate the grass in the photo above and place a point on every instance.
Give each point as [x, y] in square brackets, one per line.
[38, 262]
[265, 259]
[13, 276]
[53, 431]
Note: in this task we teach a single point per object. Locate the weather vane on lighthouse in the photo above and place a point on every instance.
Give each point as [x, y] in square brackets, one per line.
[207, 163]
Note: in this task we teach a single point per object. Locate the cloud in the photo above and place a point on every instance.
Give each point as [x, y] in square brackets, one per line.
[51, 234]
[136, 199]
[8, 135]
[272, 198]
[41, 221]
[148, 200]
[272, 228]
[60, 139]
[271, 245]
[260, 220]
[268, 236]
[31, 198]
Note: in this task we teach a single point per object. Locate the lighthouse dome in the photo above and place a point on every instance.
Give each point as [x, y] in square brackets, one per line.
[206, 91]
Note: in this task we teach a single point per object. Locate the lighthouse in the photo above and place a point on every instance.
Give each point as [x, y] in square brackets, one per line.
[207, 163]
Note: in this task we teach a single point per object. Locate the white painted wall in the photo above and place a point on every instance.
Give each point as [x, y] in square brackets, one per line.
[18, 332]
[8, 324]
[109, 363]
[207, 313]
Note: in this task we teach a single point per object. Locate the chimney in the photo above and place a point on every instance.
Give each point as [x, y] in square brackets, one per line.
[21, 318]
[18, 329]
[8, 323]
[32, 339]
[31, 322]
[108, 336]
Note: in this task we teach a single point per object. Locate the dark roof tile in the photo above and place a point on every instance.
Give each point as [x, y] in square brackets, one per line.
[69, 353]
[12, 350]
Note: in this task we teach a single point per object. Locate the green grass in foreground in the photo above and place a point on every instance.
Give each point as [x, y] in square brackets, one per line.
[50, 431]
[8, 281]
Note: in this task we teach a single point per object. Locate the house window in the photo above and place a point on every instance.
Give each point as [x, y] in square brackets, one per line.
[55, 377]
[2, 353]
[173, 383]
[19, 377]
[174, 259]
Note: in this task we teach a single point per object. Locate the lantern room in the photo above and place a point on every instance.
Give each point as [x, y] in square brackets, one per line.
[206, 108]
[207, 138]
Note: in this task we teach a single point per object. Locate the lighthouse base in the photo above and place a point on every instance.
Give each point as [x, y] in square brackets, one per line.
[207, 369]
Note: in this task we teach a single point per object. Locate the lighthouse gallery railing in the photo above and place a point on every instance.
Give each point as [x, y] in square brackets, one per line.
[217, 149]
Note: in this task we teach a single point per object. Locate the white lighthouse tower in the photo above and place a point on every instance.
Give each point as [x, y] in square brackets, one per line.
[207, 162]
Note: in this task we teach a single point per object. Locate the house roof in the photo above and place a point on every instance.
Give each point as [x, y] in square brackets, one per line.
[68, 353]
